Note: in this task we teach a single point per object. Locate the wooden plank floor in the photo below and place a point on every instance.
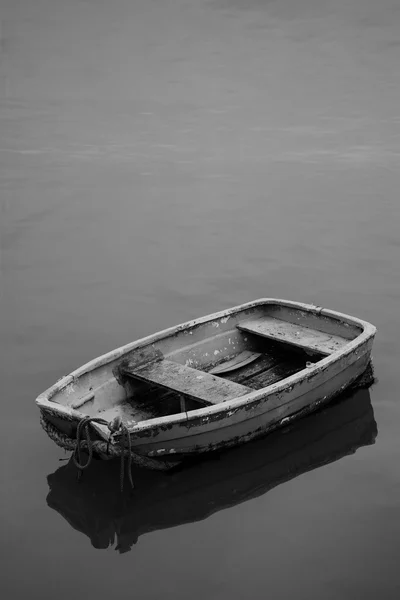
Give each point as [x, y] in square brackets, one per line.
[268, 370]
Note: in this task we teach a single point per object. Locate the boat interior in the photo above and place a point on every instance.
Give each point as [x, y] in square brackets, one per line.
[215, 361]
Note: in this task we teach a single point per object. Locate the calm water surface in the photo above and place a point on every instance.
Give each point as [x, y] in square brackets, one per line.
[161, 160]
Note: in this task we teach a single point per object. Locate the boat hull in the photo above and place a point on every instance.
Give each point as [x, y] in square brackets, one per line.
[91, 389]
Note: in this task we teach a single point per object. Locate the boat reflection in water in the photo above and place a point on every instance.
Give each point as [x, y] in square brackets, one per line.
[98, 509]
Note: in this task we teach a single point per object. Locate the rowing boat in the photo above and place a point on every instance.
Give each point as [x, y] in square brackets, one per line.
[211, 383]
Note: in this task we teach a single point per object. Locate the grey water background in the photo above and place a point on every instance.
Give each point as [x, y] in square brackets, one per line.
[161, 160]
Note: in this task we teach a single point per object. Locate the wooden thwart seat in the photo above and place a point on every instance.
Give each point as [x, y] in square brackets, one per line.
[197, 385]
[296, 335]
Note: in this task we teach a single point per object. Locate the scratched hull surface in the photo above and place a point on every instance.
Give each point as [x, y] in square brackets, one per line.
[162, 389]
[161, 501]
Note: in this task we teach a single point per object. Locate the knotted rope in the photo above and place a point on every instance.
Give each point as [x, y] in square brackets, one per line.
[77, 454]
[83, 442]
[114, 427]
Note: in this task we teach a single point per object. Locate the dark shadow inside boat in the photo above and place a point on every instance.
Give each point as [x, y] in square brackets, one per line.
[97, 508]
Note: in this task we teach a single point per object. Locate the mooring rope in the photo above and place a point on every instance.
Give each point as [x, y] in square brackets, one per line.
[114, 428]
[83, 442]
[84, 425]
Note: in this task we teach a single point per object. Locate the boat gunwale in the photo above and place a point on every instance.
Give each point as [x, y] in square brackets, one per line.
[368, 331]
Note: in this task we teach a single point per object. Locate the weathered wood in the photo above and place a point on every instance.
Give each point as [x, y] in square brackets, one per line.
[267, 368]
[238, 362]
[273, 374]
[81, 401]
[319, 321]
[245, 375]
[197, 385]
[296, 335]
[153, 397]
[142, 356]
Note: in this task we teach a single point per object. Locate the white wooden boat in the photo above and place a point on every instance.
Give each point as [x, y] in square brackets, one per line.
[214, 382]
[192, 494]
